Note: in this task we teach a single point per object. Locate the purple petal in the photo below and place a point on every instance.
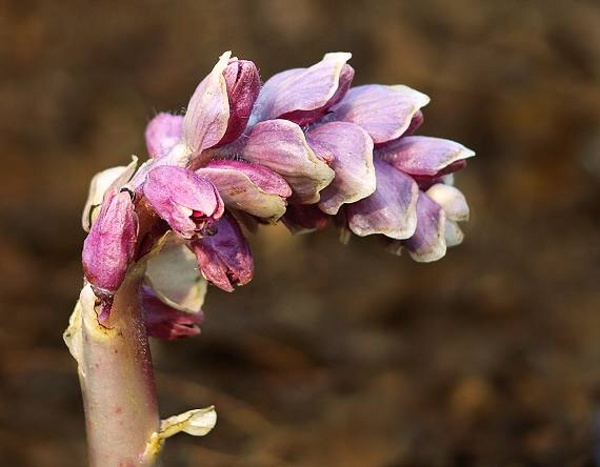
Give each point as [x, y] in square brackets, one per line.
[305, 218]
[423, 155]
[428, 242]
[452, 201]
[243, 84]
[224, 258]
[165, 322]
[186, 201]
[303, 95]
[162, 133]
[207, 116]
[349, 151]
[281, 146]
[385, 112]
[252, 188]
[110, 246]
[391, 210]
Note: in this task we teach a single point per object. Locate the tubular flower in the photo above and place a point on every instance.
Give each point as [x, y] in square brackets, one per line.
[305, 148]
[110, 246]
[186, 201]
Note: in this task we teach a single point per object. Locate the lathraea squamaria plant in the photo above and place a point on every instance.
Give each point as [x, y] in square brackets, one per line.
[304, 148]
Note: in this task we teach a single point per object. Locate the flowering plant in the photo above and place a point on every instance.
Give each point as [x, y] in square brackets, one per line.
[304, 148]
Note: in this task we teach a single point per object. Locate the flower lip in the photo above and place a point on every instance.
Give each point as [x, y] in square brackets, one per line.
[348, 150]
[425, 156]
[306, 117]
[386, 112]
[428, 242]
[303, 95]
[248, 187]
[390, 210]
[183, 199]
[224, 258]
[281, 146]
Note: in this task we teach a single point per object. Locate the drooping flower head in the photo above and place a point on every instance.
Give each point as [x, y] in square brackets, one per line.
[305, 148]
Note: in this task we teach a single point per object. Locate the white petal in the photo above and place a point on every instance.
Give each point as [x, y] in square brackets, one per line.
[174, 276]
[451, 200]
[102, 181]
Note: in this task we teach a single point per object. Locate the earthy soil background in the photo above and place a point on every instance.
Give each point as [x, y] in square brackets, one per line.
[333, 355]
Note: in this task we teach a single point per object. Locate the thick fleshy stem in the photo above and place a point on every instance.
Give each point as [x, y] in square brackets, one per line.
[115, 371]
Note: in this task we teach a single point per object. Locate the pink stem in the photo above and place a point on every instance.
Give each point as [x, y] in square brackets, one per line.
[117, 380]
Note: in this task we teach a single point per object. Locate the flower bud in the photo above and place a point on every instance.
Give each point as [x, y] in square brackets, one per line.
[110, 246]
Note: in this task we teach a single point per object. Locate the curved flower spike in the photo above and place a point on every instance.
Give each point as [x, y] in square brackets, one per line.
[391, 210]
[207, 116]
[252, 188]
[424, 155]
[303, 95]
[281, 146]
[349, 150]
[186, 201]
[243, 85]
[110, 246]
[163, 132]
[224, 258]
[385, 112]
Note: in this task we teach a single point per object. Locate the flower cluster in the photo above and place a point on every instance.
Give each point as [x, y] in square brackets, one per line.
[305, 148]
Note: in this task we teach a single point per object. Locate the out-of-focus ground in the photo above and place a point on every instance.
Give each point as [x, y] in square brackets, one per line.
[334, 355]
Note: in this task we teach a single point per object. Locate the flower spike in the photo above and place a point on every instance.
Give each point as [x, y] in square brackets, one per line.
[306, 149]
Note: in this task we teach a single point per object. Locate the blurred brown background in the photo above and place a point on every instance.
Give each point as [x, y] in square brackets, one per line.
[333, 356]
